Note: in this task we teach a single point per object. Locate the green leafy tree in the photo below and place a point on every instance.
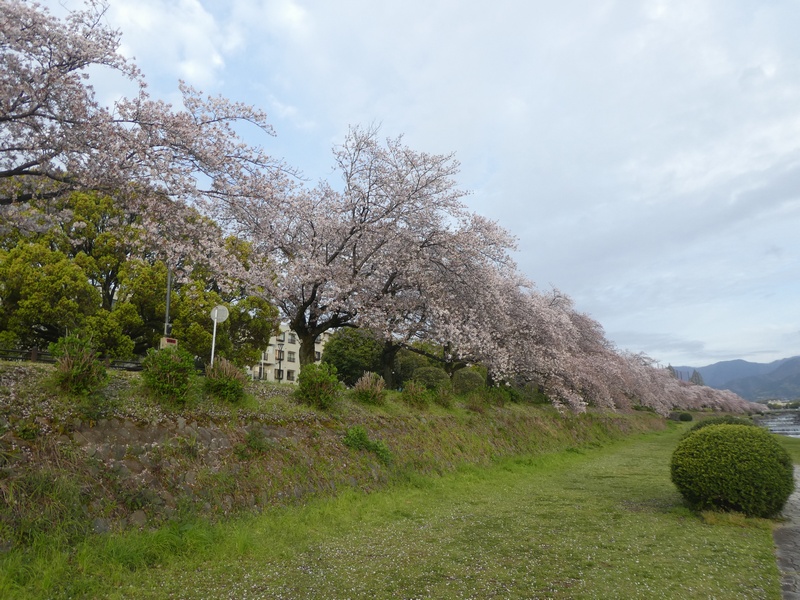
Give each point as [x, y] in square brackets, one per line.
[353, 352]
[96, 249]
[100, 237]
[144, 286]
[95, 239]
[241, 338]
[252, 321]
[43, 295]
[91, 230]
[108, 331]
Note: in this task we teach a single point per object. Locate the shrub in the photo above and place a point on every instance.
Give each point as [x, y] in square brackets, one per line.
[405, 363]
[526, 393]
[467, 380]
[432, 377]
[733, 467]
[358, 439]
[443, 396]
[680, 416]
[318, 386]
[381, 450]
[476, 402]
[500, 394]
[724, 420]
[77, 369]
[225, 380]
[255, 443]
[414, 394]
[168, 372]
[370, 389]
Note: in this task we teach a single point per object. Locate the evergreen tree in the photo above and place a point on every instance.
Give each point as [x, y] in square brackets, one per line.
[696, 378]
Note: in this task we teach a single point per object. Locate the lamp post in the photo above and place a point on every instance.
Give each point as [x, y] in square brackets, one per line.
[280, 361]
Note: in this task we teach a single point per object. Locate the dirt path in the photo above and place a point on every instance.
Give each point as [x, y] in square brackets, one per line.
[787, 543]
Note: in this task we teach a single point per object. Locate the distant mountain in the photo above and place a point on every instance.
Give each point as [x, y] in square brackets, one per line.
[753, 381]
[782, 383]
[718, 374]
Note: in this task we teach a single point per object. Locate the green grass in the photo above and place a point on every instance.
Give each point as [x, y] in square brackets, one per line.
[792, 446]
[586, 523]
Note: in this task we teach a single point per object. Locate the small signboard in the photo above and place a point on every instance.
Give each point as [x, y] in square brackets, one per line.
[168, 342]
[218, 314]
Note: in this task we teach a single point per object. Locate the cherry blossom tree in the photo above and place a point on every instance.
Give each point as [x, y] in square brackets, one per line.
[154, 159]
[567, 355]
[454, 295]
[367, 253]
[391, 247]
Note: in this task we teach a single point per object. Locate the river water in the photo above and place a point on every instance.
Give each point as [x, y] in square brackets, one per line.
[784, 422]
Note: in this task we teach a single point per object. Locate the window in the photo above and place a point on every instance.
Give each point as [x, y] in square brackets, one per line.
[282, 336]
[290, 356]
[278, 374]
[278, 354]
[289, 375]
[317, 356]
[292, 338]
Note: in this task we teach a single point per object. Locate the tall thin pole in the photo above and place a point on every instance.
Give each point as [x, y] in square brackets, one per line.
[213, 341]
[169, 293]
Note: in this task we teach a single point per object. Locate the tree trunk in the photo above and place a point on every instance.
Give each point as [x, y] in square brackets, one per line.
[388, 355]
[307, 349]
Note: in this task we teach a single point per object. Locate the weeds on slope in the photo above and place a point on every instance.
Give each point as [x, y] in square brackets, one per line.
[588, 523]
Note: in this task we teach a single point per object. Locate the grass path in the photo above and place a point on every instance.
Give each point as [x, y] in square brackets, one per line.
[600, 523]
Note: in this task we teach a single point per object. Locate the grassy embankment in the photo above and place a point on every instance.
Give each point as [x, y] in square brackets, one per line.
[582, 516]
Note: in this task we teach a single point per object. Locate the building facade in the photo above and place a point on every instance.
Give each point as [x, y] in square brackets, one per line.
[280, 362]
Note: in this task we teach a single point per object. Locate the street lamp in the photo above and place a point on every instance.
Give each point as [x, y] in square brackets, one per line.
[280, 361]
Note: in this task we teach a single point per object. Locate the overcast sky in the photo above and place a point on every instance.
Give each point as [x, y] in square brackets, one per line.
[645, 153]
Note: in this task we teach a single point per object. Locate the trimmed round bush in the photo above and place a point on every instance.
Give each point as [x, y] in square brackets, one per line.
[723, 420]
[432, 377]
[686, 417]
[733, 467]
[468, 380]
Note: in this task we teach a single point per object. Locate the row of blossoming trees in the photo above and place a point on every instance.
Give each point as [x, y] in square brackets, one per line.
[389, 245]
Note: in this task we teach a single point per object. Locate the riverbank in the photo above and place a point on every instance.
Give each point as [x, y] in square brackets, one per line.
[782, 422]
[140, 464]
[602, 522]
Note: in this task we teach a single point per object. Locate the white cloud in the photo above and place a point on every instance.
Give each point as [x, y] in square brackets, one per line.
[177, 38]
